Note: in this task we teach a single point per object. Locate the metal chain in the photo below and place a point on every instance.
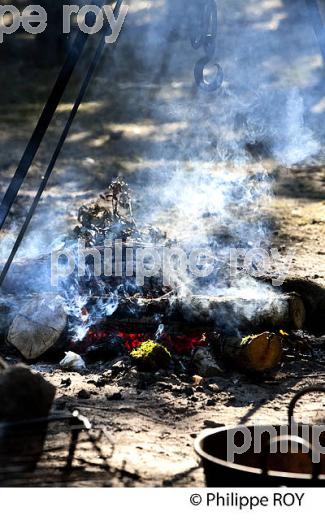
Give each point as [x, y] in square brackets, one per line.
[203, 33]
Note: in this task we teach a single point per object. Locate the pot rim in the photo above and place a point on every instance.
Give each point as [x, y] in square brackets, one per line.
[198, 447]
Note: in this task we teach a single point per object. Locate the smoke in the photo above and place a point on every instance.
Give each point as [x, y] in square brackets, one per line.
[277, 119]
[214, 192]
[206, 174]
[81, 320]
[212, 181]
[87, 300]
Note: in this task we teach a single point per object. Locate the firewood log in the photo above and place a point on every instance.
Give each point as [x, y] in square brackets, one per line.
[286, 311]
[38, 326]
[35, 275]
[254, 354]
[28, 276]
[282, 311]
[313, 296]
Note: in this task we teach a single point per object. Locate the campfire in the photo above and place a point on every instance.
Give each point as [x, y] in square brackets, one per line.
[108, 316]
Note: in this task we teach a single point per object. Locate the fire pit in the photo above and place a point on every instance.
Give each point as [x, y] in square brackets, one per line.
[89, 305]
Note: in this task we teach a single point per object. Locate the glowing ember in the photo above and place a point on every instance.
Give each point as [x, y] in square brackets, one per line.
[184, 344]
[133, 340]
[180, 344]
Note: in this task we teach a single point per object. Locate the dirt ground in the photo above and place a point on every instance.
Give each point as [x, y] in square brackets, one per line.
[153, 420]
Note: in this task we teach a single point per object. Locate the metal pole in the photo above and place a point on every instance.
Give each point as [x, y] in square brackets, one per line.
[58, 148]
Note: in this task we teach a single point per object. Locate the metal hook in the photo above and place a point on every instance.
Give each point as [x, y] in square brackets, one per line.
[208, 18]
[202, 82]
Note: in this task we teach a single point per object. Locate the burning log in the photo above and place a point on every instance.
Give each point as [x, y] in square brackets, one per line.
[111, 348]
[28, 276]
[254, 354]
[42, 321]
[286, 311]
[38, 326]
[31, 276]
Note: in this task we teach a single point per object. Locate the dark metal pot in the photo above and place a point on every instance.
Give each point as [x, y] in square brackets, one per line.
[267, 466]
